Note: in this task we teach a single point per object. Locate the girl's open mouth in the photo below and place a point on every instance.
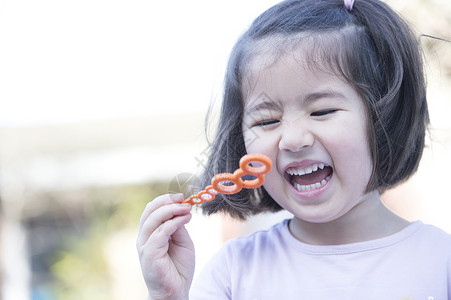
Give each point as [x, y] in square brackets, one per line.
[309, 178]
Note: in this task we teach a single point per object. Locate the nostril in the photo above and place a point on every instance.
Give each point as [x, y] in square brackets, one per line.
[296, 140]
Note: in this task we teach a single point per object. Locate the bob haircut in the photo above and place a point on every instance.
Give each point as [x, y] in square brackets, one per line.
[372, 48]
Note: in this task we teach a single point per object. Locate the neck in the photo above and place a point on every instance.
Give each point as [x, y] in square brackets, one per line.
[368, 220]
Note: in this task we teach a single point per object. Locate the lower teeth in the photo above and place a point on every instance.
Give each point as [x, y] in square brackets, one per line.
[313, 186]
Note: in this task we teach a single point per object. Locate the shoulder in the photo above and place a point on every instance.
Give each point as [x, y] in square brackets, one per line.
[268, 239]
[237, 258]
[247, 248]
[430, 241]
[433, 233]
[430, 234]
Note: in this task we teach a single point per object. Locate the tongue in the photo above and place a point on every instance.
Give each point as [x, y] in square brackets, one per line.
[313, 177]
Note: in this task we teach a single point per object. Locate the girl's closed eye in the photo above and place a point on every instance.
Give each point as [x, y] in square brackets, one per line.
[264, 123]
[324, 112]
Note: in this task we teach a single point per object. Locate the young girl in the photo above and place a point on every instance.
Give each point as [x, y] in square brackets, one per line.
[333, 92]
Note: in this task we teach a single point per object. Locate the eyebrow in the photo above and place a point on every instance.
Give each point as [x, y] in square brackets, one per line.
[269, 104]
[323, 94]
[265, 105]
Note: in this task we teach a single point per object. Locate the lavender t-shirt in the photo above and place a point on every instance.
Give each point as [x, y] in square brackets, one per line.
[413, 264]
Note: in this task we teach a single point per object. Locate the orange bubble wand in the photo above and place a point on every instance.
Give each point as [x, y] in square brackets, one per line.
[228, 183]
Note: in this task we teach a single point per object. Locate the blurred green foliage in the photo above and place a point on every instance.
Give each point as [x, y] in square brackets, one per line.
[79, 267]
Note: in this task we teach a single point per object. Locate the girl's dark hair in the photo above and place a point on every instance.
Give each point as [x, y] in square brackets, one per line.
[375, 51]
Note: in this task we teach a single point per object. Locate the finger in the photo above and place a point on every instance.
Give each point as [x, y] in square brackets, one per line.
[181, 237]
[162, 214]
[181, 249]
[159, 217]
[158, 241]
[159, 202]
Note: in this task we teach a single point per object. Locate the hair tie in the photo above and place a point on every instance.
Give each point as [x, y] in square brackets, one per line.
[349, 4]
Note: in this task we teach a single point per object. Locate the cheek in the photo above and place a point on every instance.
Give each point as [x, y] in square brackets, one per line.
[349, 146]
[352, 159]
[274, 185]
[258, 141]
[250, 137]
[357, 156]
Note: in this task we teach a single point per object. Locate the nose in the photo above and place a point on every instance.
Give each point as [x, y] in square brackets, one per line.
[295, 136]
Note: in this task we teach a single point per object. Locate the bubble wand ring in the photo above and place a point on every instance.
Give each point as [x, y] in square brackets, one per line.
[228, 183]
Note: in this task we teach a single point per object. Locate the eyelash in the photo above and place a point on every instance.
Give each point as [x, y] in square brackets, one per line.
[265, 123]
[321, 113]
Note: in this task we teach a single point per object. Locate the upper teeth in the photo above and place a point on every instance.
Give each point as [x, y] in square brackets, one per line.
[306, 170]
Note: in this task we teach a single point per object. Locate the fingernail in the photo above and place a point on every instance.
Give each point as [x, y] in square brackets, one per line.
[177, 197]
[185, 205]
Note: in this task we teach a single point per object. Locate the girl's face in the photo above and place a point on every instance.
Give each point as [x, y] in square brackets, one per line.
[313, 126]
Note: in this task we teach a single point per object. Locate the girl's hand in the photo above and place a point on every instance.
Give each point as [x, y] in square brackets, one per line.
[166, 252]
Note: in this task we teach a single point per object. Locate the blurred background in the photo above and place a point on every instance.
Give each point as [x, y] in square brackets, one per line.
[102, 109]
